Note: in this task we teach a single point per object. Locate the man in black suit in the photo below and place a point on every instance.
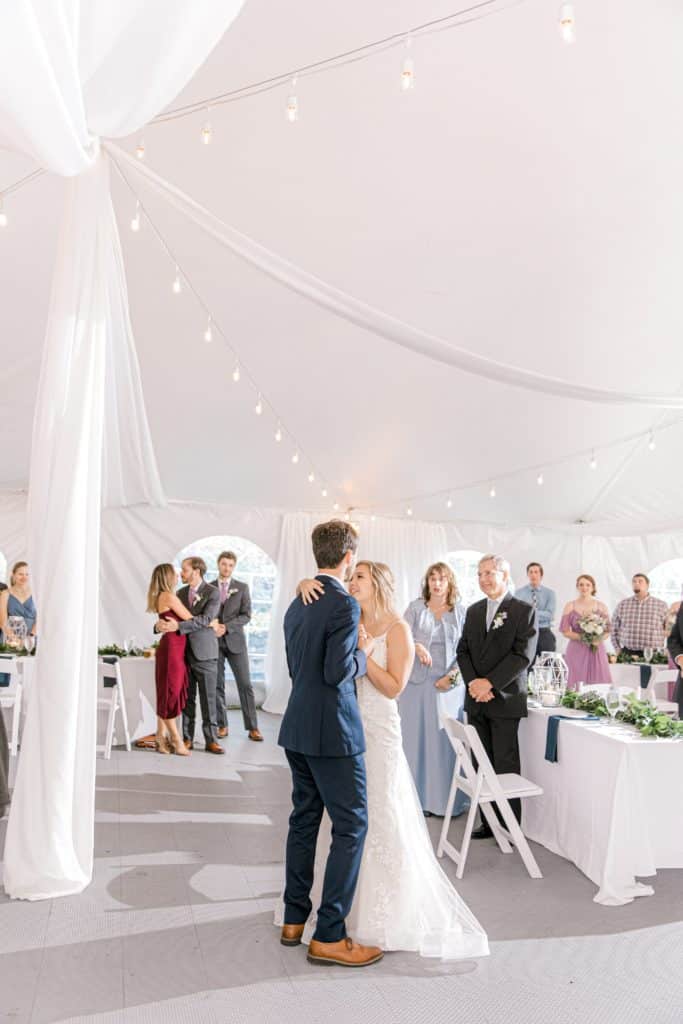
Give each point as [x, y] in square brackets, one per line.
[675, 645]
[233, 616]
[497, 645]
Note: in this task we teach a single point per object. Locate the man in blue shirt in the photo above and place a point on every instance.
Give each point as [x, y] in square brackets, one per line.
[543, 600]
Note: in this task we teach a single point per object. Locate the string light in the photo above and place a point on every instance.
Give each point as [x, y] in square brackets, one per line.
[492, 492]
[567, 23]
[140, 150]
[292, 108]
[258, 408]
[278, 433]
[295, 457]
[207, 130]
[449, 503]
[311, 477]
[177, 287]
[324, 492]
[652, 444]
[373, 517]
[236, 373]
[409, 511]
[3, 215]
[539, 479]
[208, 333]
[336, 506]
[135, 223]
[408, 70]
[593, 462]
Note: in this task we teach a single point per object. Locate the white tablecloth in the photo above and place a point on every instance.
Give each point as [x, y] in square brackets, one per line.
[612, 803]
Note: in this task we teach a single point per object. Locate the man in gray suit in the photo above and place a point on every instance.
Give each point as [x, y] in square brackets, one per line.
[234, 614]
[201, 652]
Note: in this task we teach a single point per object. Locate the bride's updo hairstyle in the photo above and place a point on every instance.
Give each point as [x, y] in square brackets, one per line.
[383, 585]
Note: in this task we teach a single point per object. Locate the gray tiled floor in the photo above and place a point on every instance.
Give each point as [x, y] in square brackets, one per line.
[176, 926]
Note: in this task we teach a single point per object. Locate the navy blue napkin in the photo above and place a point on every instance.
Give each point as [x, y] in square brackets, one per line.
[553, 730]
[5, 676]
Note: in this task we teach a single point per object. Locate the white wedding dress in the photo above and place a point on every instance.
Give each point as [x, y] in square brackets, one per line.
[403, 898]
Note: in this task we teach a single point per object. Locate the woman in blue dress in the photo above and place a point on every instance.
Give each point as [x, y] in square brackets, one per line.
[436, 620]
[17, 600]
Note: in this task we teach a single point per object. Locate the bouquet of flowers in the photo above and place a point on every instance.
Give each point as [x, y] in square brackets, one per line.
[592, 629]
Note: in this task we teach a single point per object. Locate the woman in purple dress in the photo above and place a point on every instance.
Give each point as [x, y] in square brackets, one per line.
[587, 662]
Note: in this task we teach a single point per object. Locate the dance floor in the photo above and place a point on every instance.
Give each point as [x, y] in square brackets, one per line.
[176, 926]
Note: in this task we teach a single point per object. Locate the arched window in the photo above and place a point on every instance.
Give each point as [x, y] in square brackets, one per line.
[255, 568]
[666, 581]
[465, 565]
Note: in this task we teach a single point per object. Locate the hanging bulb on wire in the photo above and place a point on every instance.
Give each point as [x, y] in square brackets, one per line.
[177, 287]
[295, 457]
[258, 408]
[567, 23]
[292, 108]
[236, 373]
[135, 222]
[207, 130]
[373, 517]
[652, 444]
[208, 333]
[492, 492]
[323, 493]
[593, 462]
[278, 433]
[449, 503]
[408, 69]
[336, 506]
[539, 479]
[311, 477]
[140, 150]
[409, 511]
[3, 215]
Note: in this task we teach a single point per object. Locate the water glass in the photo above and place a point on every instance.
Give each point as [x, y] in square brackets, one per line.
[613, 701]
[647, 653]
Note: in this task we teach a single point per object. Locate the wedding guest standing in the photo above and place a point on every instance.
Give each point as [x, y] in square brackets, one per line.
[544, 601]
[675, 645]
[435, 620]
[495, 650]
[585, 655]
[170, 670]
[17, 600]
[234, 614]
[639, 621]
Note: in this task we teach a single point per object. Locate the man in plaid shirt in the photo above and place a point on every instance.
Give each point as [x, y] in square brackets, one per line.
[639, 621]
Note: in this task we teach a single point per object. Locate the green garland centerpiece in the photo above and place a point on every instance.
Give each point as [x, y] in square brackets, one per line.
[639, 713]
[658, 658]
[113, 650]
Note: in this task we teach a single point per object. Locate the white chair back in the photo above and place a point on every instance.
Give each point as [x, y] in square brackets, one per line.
[11, 697]
[111, 699]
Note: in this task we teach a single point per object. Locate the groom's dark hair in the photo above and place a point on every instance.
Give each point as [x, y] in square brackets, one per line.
[331, 541]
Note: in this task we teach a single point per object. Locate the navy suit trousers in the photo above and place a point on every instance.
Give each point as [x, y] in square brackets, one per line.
[336, 784]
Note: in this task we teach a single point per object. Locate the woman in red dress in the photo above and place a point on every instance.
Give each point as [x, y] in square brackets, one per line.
[170, 671]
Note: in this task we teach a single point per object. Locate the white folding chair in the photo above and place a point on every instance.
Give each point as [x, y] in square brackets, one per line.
[658, 690]
[110, 698]
[11, 697]
[484, 788]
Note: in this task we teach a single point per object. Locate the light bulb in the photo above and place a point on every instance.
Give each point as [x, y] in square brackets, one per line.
[372, 518]
[176, 283]
[539, 479]
[347, 517]
[408, 74]
[409, 511]
[292, 108]
[492, 492]
[295, 457]
[324, 492]
[208, 333]
[135, 223]
[207, 133]
[336, 506]
[258, 408]
[652, 444]
[278, 433]
[311, 477]
[567, 23]
[593, 462]
[140, 150]
[236, 373]
[3, 216]
[449, 503]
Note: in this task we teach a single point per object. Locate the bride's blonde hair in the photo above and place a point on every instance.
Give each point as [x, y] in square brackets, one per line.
[383, 585]
[163, 581]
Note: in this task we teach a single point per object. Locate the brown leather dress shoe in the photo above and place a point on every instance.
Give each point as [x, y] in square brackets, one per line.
[255, 735]
[291, 934]
[188, 744]
[214, 748]
[345, 953]
[222, 732]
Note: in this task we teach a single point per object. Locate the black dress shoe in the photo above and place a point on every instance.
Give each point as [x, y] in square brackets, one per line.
[483, 832]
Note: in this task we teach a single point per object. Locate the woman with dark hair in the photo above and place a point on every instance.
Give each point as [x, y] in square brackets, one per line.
[586, 624]
[170, 670]
[435, 620]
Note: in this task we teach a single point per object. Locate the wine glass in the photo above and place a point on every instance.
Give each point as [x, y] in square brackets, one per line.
[647, 653]
[29, 643]
[612, 702]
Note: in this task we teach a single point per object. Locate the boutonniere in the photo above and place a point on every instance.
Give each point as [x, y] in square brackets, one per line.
[498, 620]
[234, 590]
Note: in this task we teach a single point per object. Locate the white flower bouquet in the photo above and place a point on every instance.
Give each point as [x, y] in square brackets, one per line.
[592, 629]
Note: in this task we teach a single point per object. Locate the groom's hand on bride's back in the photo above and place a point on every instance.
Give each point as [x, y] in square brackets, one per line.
[310, 590]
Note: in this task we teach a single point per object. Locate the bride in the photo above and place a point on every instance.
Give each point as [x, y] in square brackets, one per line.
[403, 898]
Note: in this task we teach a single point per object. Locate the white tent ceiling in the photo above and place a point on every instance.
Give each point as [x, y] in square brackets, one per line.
[523, 202]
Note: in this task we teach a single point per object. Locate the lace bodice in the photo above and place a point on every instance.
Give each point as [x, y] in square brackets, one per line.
[372, 703]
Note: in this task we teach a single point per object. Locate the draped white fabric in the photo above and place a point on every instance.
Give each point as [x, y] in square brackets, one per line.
[406, 547]
[363, 315]
[69, 73]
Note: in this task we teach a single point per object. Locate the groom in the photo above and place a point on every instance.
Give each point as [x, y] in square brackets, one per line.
[497, 645]
[323, 739]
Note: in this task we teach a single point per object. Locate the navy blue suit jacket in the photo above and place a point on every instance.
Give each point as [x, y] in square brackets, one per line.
[322, 717]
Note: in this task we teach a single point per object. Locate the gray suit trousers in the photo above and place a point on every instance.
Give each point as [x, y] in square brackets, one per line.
[239, 663]
[203, 678]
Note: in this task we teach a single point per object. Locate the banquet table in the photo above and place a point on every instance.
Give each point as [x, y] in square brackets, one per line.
[624, 674]
[612, 803]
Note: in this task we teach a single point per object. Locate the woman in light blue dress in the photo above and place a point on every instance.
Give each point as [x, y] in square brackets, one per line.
[436, 620]
[18, 600]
